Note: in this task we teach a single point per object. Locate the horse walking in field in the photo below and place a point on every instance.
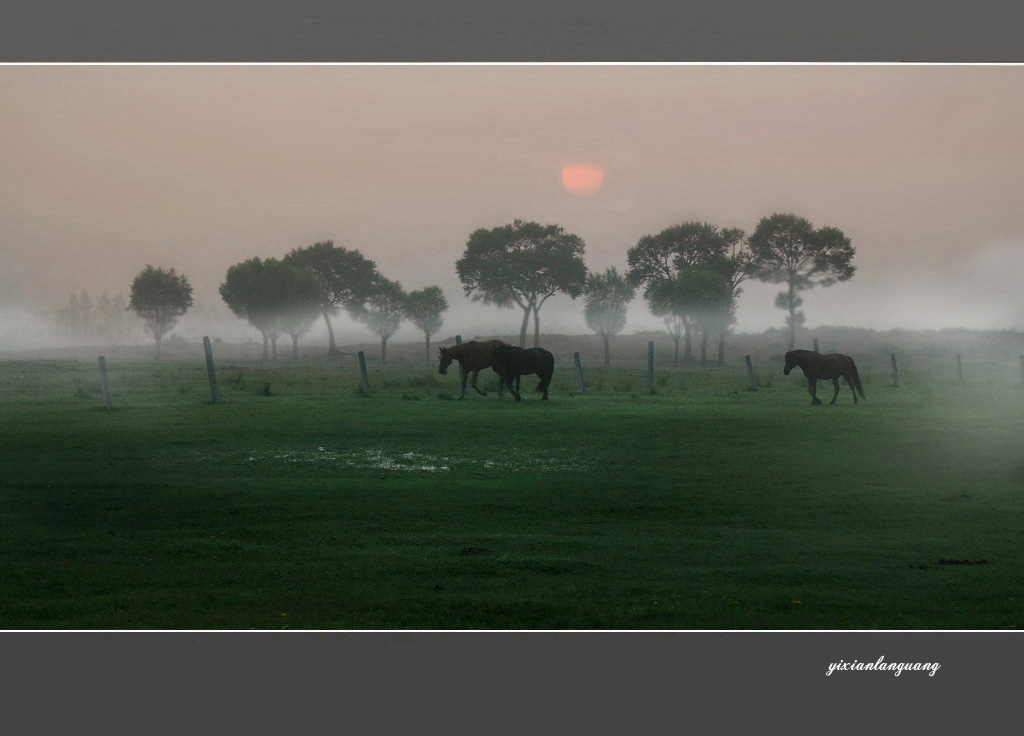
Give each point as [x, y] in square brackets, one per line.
[825, 367]
[512, 362]
[473, 356]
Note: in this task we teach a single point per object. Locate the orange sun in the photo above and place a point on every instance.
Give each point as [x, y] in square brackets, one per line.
[582, 179]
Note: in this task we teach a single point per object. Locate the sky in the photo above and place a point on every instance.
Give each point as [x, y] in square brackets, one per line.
[105, 169]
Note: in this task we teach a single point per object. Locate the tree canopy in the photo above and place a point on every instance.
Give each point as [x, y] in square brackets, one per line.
[346, 279]
[385, 309]
[523, 263]
[424, 308]
[159, 297]
[788, 249]
[607, 298]
[274, 297]
[657, 261]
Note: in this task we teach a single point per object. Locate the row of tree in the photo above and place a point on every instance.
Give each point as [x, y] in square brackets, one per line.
[690, 275]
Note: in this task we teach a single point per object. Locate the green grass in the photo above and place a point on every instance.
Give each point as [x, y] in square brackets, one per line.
[297, 502]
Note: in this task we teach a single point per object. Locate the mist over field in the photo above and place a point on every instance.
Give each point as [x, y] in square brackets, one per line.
[108, 169]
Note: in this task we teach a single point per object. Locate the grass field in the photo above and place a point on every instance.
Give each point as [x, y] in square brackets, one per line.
[296, 502]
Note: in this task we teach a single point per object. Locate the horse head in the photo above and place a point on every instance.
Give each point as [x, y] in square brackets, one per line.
[790, 362]
[446, 360]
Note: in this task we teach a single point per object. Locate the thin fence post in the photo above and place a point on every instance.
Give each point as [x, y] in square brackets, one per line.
[750, 373]
[458, 341]
[895, 371]
[959, 369]
[650, 365]
[209, 368]
[103, 383]
[362, 372]
[579, 370]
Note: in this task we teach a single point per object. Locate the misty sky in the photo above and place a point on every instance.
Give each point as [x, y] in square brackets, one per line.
[105, 169]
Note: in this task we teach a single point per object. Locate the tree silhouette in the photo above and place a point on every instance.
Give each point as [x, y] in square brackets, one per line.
[787, 249]
[346, 279]
[274, 297]
[607, 296]
[658, 259]
[423, 308]
[524, 263]
[385, 309]
[159, 297]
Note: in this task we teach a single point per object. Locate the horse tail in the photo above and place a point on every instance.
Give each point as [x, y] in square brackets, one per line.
[856, 379]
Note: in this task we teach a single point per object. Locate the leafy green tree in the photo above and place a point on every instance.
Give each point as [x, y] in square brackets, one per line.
[301, 297]
[274, 297]
[346, 279]
[658, 259]
[385, 310]
[702, 294]
[525, 264]
[607, 297]
[788, 250]
[424, 308]
[159, 297]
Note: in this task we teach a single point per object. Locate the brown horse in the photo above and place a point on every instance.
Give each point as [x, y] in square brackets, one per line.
[512, 363]
[473, 357]
[827, 367]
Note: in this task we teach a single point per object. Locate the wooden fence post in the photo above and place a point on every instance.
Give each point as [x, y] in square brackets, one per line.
[579, 370]
[650, 365]
[816, 345]
[209, 368]
[103, 383]
[895, 371]
[750, 373]
[959, 369]
[362, 372]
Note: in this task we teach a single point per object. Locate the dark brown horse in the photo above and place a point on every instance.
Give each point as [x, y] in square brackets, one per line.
[825, 367]
[473, 356]
[512, 362]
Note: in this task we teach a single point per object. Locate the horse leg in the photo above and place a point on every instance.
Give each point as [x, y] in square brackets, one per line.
[518, 378]
[514, 390]
[476, 374]
[849, 382]
[813, 383]
[835, 382]
[465, 375]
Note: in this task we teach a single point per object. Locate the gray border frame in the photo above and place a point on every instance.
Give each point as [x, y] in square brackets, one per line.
[445, 30]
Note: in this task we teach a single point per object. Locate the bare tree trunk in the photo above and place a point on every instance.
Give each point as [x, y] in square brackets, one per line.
[383, 350]
[688, 352]
[721, 350]
[607, 350]
[295, 346]
[332, 351]
[703, 348]
[792, 318]
[265, 341]
[273, 346]
[428, 345]
[675, 359]
[536, 327]
[526, 322]
[159, 339]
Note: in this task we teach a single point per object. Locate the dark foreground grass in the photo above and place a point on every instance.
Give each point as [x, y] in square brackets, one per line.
[298, 503]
